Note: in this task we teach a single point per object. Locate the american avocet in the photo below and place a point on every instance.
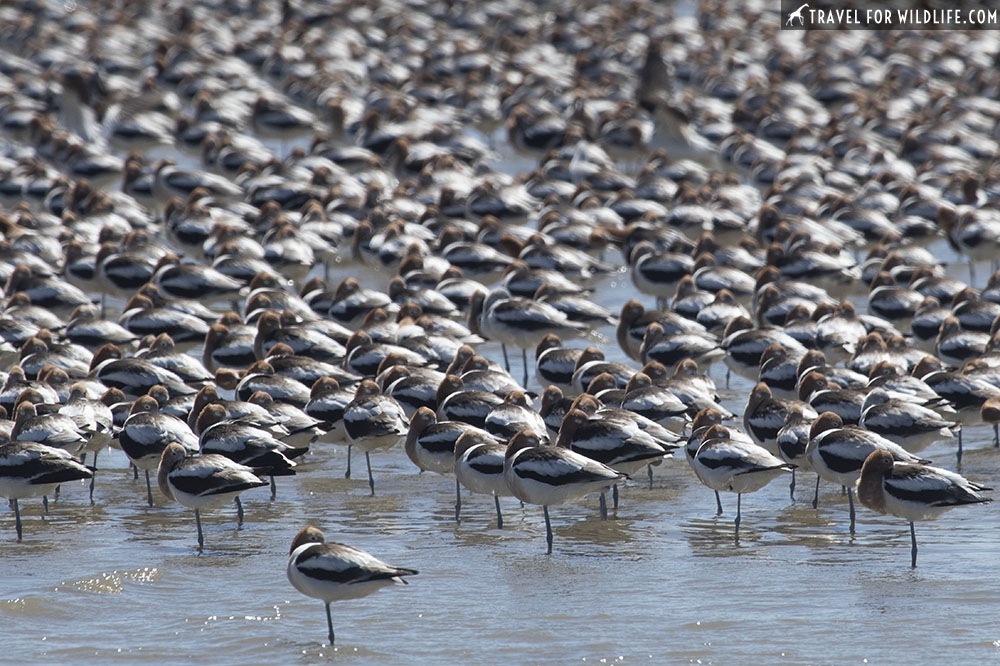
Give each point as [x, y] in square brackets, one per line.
[245, 444]
[891, 377]
[576, 308]
[593, 408]
[478, 374]
[555, 364]
[839, 332]
[261, 377]
[779, 370]
[519, 322]
[302, 340]
[870, 350]
[479, 460]
[837, 452]
[973, 312]
[334, 572]
[965, 392]
[327, 403]
[703, 420]
[456, 403]
[765, 415]
[52, 429]
[300, 429]
[656, 272]
[691, 387]
[634, 319]
[905, 422]
[226, 348]
[134, 376]
[990, 413]
[895, 302]
[411, 387]
[146, 433]
[549, 475]
[721, 311]
[825, 396]
[913, 492]
[621, 445]
[792, 440]
[734, 465]
[672, 349]
[591, 363]
[816, 361]
[30, 469]
[744, 345]
[206, 481]
[373, 422]
[430, 444]
[654, 402]
[94, 418]
[553, 408]
[513, 415]
[955, 346]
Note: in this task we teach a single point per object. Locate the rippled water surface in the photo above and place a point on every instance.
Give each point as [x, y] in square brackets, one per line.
[663, 581]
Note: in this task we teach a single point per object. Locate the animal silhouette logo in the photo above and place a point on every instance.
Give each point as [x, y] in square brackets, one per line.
[797, 14]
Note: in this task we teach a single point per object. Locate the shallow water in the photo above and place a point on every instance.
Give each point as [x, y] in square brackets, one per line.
[662, 581]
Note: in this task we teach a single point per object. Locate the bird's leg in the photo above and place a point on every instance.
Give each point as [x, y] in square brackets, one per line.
[791, 487]
[996, 435]
[496, 501]
[274, 489]
[614, 497]
[850, 501]
[371, 479]
[959, 454]
[93, 475]
[17, 520]
[329, 623]
[135, 472]
[649, 471]
[45, 503]
[816, 496]
[149, 490]
[347, 474]
[239, 511]
[506, 361]
[718, 503]
[548, 529]
[524, 359]
[913, 548]
[458, 501]
[604, 507]
[201, 538]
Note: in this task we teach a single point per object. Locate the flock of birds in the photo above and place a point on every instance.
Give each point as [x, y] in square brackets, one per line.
[739, 174]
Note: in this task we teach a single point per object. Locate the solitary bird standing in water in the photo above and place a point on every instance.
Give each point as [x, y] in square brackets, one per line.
[332, 571]
[913, 491]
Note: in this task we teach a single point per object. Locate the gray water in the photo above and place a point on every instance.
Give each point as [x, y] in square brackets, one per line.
[663, 581]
